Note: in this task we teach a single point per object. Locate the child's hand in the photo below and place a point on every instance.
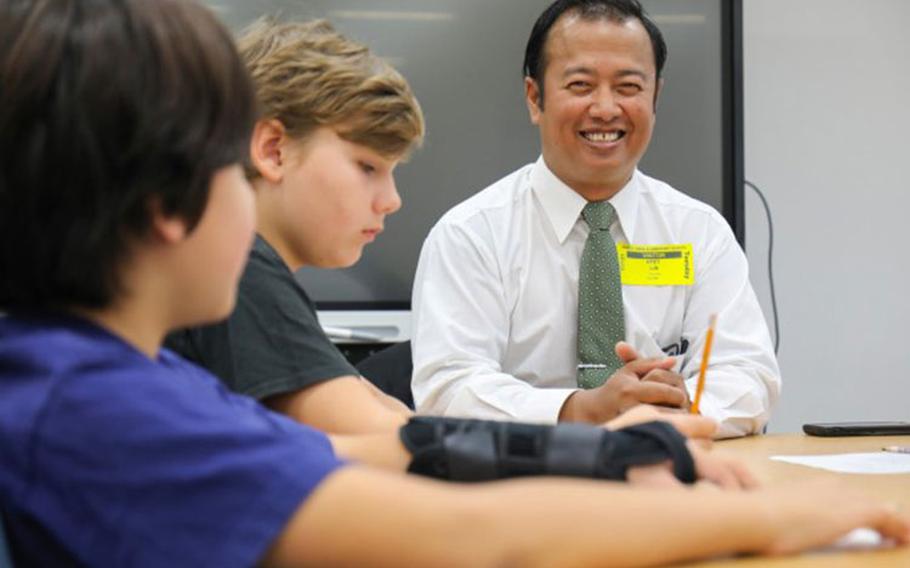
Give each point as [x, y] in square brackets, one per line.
[689, 425]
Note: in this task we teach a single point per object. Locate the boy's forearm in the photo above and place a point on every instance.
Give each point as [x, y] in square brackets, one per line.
[343, 405]
[383, 450]
[362, 517]
[365, 517]
[396, 406]
[554, 522]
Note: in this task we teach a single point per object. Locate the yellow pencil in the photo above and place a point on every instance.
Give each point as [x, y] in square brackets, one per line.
[705, 356]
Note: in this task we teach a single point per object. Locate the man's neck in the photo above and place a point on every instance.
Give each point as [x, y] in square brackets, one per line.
[599, 190]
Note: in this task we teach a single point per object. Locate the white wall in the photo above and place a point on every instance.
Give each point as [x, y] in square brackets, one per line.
[827, 117]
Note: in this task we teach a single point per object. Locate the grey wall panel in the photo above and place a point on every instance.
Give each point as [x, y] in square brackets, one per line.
[826, 140]
[463, 59]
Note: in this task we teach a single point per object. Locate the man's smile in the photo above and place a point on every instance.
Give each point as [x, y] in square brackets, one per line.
[602, 136]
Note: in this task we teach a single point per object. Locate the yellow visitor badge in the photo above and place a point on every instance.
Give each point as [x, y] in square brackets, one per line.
[656, 265]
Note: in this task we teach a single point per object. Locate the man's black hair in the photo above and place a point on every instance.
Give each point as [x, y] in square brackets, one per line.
[535, 62]
[108, 108]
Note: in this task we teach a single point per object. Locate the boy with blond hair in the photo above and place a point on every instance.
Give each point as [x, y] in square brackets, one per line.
[334, 122]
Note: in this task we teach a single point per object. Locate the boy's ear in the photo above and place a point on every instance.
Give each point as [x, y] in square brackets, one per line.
[166, 228]
[267, 146]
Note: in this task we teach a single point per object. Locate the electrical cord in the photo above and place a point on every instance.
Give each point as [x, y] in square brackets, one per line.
[770, 263]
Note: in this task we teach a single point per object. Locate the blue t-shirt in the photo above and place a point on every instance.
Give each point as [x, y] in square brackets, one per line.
[109, 458]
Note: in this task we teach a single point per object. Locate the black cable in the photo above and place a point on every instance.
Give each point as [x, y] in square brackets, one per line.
[770, 263]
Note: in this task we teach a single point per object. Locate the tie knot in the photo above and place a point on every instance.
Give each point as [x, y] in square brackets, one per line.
[599, 214]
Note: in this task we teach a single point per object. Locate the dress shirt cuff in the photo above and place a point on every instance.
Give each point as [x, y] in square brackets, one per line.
[542, 405]
[728, 425]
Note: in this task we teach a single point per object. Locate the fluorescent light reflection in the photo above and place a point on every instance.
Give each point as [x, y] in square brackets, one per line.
[679, 18]
[392, 16]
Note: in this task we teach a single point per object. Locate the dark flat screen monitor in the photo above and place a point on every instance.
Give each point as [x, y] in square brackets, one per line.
[463, 58]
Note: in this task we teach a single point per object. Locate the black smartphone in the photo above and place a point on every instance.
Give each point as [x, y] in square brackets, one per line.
[881, 428]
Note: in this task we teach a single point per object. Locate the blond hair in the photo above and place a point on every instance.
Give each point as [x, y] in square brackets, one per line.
[308, 75]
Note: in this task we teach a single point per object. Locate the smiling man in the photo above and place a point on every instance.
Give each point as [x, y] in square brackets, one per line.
[530, 295]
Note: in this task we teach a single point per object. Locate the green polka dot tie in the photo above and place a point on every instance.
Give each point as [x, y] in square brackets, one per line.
[600, 311]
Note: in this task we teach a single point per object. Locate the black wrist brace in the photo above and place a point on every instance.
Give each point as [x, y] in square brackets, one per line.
[479, 450]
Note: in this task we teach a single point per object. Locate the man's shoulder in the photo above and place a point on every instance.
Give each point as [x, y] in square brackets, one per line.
[668, 199]
[496, 199]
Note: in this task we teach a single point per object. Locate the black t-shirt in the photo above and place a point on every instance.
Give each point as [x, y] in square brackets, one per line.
[272, 343]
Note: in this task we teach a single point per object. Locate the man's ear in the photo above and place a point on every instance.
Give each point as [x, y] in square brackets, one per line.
[533, 100]
[657, 90]
[267, 146]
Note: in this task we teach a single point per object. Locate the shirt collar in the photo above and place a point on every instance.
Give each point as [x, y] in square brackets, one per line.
[563, 206]
[626, 204]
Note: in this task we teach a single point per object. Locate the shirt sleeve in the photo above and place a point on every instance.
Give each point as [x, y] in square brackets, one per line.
[743, 380]
[460, 327]
[272, 343]
[167, 475]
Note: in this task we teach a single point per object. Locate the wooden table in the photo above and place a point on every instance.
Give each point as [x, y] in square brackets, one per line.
[756, 450]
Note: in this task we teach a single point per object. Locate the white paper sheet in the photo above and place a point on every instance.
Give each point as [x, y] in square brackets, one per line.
[860, 539]
[873, 462]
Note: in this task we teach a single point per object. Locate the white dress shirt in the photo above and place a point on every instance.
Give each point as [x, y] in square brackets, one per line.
[496, 294]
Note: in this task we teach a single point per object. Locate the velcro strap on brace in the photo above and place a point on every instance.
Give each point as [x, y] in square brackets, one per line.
[471, 455]
[646, 444]
[478, 450]
[574, 450]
